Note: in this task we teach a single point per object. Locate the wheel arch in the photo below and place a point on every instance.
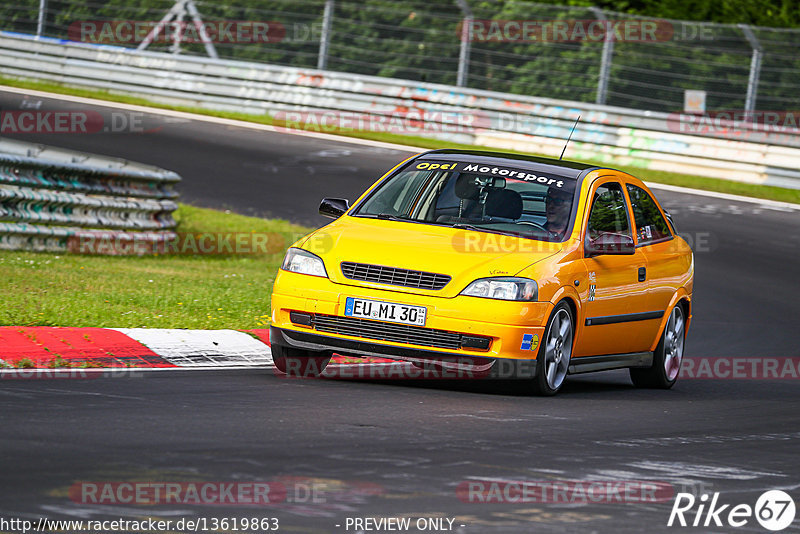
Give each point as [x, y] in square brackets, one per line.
[683, 299]
[568, 294]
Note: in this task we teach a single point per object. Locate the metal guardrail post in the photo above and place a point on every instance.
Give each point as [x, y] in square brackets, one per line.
[178, 36]
[755, 68]
[605, 59]
[325, 38]
[464, 49]
[42, 16]
[201, 28]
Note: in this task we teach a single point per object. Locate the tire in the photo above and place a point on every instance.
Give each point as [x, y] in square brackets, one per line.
[555, 351]
[668, 356]
[299, 363]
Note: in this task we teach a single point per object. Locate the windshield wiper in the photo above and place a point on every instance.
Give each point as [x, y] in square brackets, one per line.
[465, 226]
[393, 217]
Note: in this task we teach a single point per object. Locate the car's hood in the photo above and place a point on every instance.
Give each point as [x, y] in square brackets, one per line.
[464, 255]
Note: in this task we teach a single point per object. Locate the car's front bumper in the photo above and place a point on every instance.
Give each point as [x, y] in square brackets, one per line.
[315, 343]
[311, 344]
[514, 328]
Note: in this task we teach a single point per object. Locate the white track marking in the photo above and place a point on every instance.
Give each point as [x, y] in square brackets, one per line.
[207, 348]
[717, 439]
[774, 204]
[703, 471]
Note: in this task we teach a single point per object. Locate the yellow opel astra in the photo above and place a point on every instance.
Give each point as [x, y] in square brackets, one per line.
[528, 267]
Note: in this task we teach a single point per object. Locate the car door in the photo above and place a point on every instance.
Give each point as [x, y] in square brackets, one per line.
[616, 303]
[666, 263]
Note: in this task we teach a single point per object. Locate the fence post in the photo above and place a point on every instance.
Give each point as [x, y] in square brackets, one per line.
[325, 38]
[755, 69]
[464, 49]
[605, 58]
[42, 15]
[198, 24]
[178, 12]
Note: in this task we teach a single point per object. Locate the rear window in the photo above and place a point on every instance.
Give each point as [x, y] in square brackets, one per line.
[651, 225]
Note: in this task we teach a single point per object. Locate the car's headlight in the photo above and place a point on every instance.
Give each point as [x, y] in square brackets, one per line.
[506, 288]
[301, 261]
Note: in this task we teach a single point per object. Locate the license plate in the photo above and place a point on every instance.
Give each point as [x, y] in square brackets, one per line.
[385, 311]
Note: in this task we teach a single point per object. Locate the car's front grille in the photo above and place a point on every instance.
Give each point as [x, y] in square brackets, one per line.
[399, 333]
[394, 276]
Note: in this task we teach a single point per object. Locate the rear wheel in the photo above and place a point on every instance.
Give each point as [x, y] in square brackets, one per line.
[668, 355]
[299, 363]
[555, 351]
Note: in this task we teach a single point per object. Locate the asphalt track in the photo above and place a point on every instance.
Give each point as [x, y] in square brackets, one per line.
[400, 448]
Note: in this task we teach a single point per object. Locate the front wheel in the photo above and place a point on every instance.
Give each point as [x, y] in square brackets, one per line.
[299, 363]
[668, 355]
[552, 361]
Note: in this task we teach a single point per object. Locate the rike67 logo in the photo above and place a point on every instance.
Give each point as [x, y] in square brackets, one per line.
[774, 510]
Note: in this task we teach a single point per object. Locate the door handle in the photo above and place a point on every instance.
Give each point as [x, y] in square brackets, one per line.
[642, 274]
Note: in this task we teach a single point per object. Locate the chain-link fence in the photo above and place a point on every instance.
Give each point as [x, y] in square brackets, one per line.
[571, 53]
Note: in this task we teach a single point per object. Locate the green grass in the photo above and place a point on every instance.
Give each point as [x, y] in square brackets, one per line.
[664, 177]
[175, 291]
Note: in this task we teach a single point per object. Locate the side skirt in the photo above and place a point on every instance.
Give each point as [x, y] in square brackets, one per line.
[606, 362]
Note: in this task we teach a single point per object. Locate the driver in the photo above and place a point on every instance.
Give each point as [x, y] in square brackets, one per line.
[557, 208]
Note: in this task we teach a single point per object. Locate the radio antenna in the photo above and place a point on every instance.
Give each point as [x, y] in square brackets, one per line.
[568, 138]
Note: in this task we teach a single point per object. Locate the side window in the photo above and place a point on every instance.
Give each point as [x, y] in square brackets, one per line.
[609, 213]
[650, 224]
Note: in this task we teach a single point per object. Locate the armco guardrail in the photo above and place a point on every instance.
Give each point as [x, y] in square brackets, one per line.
[739, 151]
[51, 199]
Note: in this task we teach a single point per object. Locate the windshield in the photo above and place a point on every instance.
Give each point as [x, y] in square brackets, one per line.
[475, 196]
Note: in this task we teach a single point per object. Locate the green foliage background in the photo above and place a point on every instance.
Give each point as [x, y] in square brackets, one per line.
[419, 40]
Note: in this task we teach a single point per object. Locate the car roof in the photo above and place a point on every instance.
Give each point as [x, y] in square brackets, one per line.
[570, 169]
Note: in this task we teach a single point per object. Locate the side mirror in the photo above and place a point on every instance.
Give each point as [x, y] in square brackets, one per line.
[608, 243]
[333, 207]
